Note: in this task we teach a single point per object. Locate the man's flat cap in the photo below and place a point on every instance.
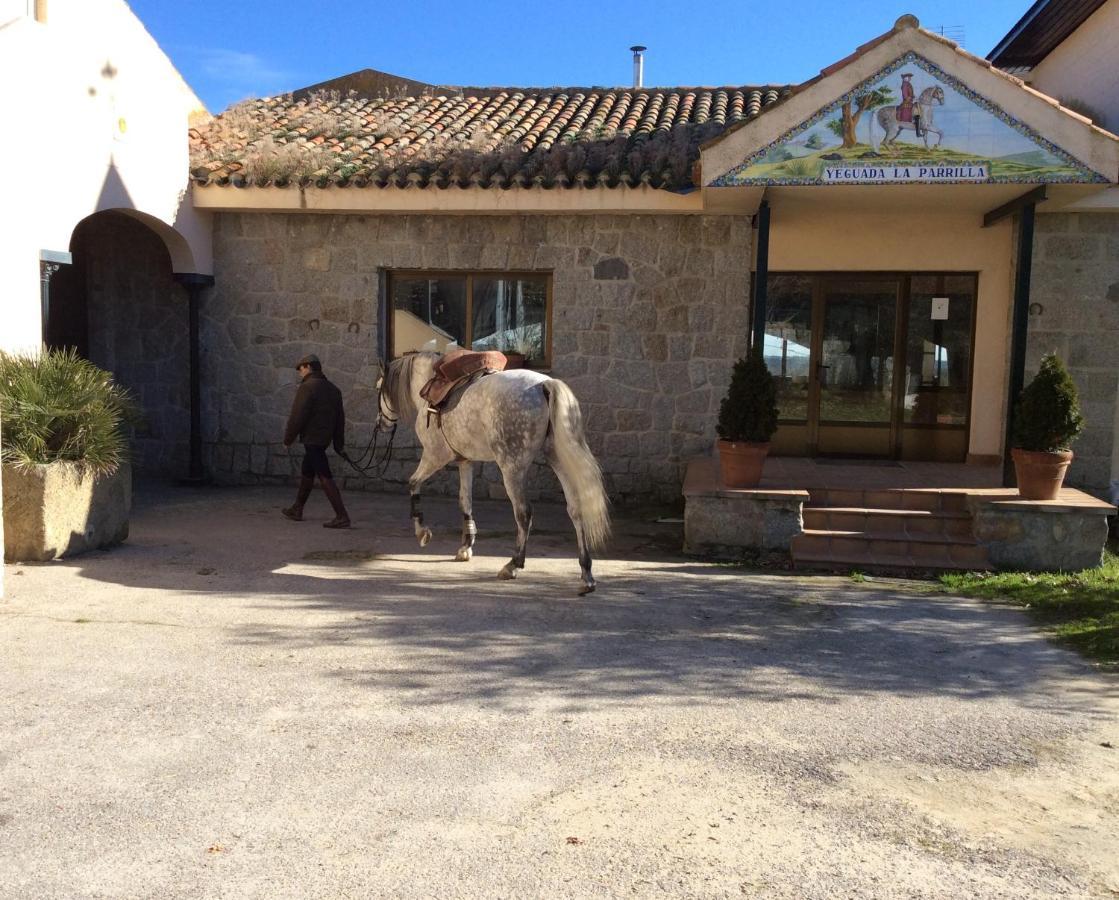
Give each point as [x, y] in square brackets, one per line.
[307, 360]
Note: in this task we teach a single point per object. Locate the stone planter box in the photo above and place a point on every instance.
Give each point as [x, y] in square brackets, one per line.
[57, 510]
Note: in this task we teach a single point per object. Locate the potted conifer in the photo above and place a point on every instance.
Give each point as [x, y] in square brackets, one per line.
[1047, 420]
[66, 479]
[747, 420]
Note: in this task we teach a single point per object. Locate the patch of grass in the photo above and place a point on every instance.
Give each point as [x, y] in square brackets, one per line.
[1080, 609]
[858, 577]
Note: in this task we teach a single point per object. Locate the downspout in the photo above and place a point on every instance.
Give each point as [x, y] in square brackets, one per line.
[761, 279]
[1018, 334]
[194, 284]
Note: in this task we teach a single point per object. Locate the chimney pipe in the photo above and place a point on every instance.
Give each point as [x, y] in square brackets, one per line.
[638, 65]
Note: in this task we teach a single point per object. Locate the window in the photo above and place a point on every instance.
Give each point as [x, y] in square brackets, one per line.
[507, 311]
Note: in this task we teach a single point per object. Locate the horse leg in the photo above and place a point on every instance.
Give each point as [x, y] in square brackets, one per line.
[423, 472]
[514, 478]
[576, 520]
[466, 504]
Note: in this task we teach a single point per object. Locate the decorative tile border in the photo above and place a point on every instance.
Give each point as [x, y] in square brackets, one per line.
[1087, 176]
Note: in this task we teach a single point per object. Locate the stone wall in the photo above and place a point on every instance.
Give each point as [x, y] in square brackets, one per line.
[1074, 295]
[649, 313]
[139, 330]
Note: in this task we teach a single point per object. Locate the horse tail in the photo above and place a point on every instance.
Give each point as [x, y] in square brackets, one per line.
[577, 464]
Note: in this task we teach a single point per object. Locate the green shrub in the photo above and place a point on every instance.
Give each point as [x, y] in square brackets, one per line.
[1047, 417]
[58, 406]
[749, 410]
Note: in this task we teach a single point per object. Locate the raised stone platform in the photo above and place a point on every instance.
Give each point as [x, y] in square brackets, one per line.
[726, 523]
[1068, 533]
[891, 516]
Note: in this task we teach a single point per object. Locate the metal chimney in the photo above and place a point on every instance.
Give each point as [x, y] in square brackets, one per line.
[638, 65]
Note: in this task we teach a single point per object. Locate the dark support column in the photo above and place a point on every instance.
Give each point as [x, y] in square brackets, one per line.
[194, 284]
[49, 262]
[761, 279]
[1020, 323]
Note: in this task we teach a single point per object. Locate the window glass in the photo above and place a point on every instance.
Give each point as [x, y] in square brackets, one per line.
[509, 315]
[938, 349]
[427, 313]
[788, 337]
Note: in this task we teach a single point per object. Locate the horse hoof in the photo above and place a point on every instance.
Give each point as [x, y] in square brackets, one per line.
[464, 554]
[425, 537]
[507, 573]
[587, 589]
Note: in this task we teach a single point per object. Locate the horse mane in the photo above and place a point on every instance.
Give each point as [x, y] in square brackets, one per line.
[398, 383]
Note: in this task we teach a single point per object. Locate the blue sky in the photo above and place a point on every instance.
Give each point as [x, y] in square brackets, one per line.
[229, 53]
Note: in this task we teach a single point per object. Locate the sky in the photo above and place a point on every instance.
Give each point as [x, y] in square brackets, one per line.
[229, 53]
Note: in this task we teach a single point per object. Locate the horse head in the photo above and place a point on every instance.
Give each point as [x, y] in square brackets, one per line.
[932, 95]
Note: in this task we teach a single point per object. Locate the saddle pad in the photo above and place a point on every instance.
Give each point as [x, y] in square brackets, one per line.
[460, 363]
[457, 367]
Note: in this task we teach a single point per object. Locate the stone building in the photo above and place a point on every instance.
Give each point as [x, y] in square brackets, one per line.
[647, 233]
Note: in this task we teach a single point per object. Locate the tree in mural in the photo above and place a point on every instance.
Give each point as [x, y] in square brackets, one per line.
[844, 127]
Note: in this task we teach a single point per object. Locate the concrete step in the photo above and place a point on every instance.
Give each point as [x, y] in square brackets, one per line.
[933, 500]
[859, 550]
[899, 523]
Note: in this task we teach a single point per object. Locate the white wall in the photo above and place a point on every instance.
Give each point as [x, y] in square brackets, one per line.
[1085, 66]
[82, 142]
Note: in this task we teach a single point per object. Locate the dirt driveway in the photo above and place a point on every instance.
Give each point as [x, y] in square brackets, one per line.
[232, 705]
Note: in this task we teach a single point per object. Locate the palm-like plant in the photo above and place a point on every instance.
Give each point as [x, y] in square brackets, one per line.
[59, 407]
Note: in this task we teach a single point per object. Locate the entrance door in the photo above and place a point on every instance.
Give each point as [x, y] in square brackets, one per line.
[852, 403]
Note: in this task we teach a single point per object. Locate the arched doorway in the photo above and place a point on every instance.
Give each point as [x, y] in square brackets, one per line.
[119, 306]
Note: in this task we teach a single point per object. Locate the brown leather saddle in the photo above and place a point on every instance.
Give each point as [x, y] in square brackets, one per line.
[456, 370]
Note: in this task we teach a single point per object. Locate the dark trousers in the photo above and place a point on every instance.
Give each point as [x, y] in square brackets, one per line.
[315, 462]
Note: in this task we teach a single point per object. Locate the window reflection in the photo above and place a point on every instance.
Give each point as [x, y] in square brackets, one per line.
[788, 338]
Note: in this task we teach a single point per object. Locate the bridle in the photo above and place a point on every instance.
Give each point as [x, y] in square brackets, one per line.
[368, 465]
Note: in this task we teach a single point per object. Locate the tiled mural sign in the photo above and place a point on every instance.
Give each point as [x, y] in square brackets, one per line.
[911, 122]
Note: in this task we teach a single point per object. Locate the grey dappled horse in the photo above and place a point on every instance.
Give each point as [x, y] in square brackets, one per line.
[509, 418]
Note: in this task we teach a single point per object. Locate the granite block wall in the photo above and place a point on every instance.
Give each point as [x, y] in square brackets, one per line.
[1075, 312]
[649, 312]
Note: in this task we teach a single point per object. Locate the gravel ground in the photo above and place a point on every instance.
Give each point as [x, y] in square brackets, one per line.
[232, 705]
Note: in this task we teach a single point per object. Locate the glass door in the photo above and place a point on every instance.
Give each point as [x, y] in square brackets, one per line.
[852, 409]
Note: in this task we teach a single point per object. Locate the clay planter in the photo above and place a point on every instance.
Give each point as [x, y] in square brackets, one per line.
[1040, 475]
[741, 462]
[58, 510]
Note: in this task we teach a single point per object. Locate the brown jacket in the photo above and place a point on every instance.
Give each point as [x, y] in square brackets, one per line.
[317, 417]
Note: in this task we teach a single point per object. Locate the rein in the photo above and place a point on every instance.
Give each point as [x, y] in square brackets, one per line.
[368, 465]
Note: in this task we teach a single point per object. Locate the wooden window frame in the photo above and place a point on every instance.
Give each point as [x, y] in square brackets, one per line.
[468, 275]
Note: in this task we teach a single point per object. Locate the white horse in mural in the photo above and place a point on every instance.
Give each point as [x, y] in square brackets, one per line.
[888, 118]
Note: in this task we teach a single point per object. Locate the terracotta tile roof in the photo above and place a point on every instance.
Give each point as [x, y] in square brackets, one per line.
[494, 137]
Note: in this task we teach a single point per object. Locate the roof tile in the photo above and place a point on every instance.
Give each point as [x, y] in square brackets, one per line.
[498, 137]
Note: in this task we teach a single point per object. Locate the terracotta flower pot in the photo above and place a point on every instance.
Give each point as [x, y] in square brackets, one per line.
[741, 462]
[1040, 475]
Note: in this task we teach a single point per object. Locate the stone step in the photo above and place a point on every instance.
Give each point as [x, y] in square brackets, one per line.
[856, 549]
[933, 500]
[900, 523]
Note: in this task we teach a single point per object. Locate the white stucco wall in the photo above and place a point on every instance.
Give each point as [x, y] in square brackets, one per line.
[1085, 66]
[83, 142]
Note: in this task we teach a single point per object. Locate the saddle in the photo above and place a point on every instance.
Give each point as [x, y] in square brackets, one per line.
[457, 369]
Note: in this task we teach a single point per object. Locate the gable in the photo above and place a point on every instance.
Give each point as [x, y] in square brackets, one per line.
[869, 135]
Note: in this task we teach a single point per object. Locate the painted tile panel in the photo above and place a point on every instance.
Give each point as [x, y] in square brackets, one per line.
[910, 123]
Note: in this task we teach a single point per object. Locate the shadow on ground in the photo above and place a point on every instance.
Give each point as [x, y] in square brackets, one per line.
[661, 626]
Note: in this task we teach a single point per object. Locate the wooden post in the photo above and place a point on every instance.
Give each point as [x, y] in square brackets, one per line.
[1019, 330]
[761, 280]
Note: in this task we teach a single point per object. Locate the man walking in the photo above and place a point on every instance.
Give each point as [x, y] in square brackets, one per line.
[317, 419]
